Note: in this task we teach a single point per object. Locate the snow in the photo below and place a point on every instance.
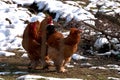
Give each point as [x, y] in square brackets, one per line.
[15, 73]
[106, 5]
[105, 54]
[62, 11]
[78, 57]
[114, 40]
[99, 42]
[115, 52]
[4, 73]
[34, 77]
[40, 16]
[2, 36]
[113, 66]
[86, 64]
[113, 78]
[106, 67]
[24, 2]
[12, 26]
[98, 67]
[5, 53]
[25, 55]
[20, 72]
[69, 65]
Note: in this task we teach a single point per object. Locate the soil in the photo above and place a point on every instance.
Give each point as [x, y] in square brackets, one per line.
[84, 72]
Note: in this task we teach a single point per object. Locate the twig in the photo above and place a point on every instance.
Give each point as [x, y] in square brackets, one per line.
[95, 28]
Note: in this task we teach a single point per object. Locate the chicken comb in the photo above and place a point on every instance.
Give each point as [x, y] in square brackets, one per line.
[49, 21]
[33, 26]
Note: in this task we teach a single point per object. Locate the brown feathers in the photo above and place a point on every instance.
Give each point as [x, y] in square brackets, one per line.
[61, 49]
[34, 39]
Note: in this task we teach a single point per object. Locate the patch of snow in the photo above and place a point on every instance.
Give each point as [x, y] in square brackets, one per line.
[117, 10]
[35, 77]
[104, 54]
[16, 44]
[113, 78]
[113, 66]
[5, 53]
[69, 65]
[62, 11]
[99, 42]
[3, 65]
[24, 2]
[25, 55]
[38, 17]
[4, 73]
[2, 36]
[108, 6]
[22, 50]
[114, 40]
[117, 46]
[115, 52]
[98, 67]
[65, 34]
[86, 64]
[19, 72]
[73, 3]
[16, 73]
[78, 57]
[12, 24]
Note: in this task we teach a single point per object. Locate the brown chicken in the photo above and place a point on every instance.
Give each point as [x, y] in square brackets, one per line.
[61, 49]
[54, 38]
[32, 42]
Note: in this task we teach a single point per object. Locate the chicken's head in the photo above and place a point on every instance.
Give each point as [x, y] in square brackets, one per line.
[49, 20]
[75, 31]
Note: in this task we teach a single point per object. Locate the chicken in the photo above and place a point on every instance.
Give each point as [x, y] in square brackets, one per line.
[61, 49]
[32, 42]
[54, 37]
[43, 38]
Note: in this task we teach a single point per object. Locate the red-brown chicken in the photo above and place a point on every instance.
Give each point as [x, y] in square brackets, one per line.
[61, 49]
[54, 38]
[30, 43]
[33, 43]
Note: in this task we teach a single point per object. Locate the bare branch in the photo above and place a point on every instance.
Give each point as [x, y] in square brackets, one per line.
[103, 32]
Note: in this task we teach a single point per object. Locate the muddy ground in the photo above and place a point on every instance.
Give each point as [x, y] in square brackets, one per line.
[13, 64]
